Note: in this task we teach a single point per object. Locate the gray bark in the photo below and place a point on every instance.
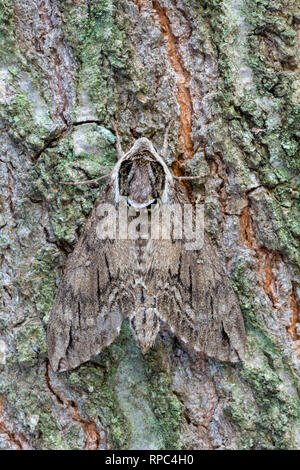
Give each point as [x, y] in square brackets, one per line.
[228, 73]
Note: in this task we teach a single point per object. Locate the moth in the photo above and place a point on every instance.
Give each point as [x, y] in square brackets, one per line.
[147, 281]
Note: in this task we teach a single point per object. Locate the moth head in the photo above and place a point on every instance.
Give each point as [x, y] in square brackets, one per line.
[141, 176]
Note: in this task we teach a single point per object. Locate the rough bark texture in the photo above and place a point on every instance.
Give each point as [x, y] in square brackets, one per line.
[228, 72]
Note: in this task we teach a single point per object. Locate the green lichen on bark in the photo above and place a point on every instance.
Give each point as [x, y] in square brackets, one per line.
[267, 410]
[268, 416]
[6, 27]
[86, 153]
[45, 272]
[129, 396]
[112, 60]
[263, 122]
[106, 59]
[260, 112]
[23, 106]
[166, 406]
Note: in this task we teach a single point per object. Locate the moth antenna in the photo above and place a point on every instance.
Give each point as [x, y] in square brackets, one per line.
[86, 182]
[186, 177]
[120, 152]
[164, 151]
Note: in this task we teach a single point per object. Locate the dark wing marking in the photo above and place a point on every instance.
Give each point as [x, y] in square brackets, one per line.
[195, 299]
[94, 295]
[194, 295]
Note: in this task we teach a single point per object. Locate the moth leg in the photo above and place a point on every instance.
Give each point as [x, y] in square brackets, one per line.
[164, 151]
[120, 152]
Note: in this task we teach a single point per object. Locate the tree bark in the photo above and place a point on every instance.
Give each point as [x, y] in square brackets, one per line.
[227, 72]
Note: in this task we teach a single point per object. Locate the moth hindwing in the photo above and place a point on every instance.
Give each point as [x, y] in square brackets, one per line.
[147, 280]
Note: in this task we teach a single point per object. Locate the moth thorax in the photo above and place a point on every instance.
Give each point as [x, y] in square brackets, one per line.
[141, 180]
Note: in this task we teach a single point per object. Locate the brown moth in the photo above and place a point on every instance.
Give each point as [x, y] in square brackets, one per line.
[146, 281]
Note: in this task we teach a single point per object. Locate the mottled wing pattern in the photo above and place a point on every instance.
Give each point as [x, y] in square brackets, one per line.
[194, 296]
[196, 300]
[107, 280]
[93, 296]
